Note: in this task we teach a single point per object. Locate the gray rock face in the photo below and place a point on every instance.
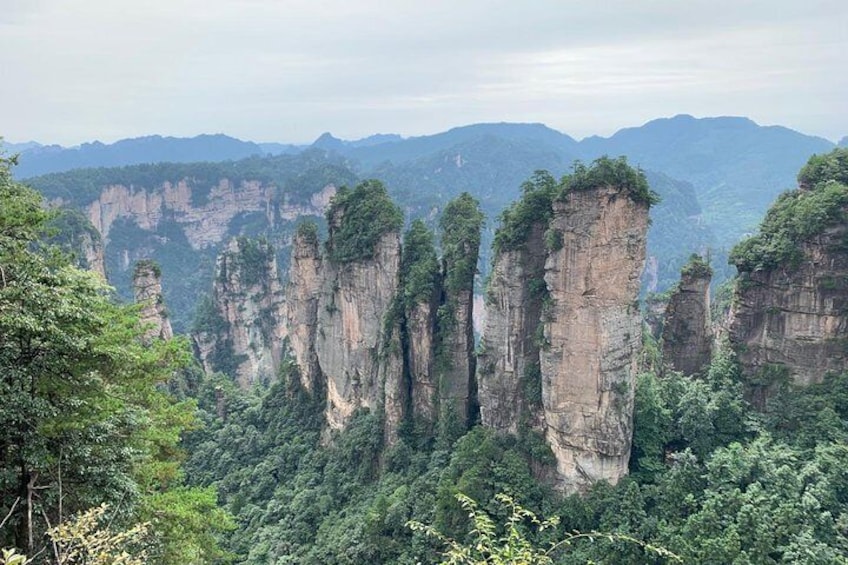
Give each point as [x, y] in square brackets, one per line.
[353, 302]
[420, 323]
[795, 320]
[687, 335]
[250, 305]
[508, 366]
[302, 294]
[147, 287]
[91, 250]
[592, 332]
[456, 369]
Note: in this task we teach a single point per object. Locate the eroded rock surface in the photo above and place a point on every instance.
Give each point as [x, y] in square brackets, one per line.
[796, 319]
[508, 365]
[245, 330]
[147, 287]
[687, 334]
[592, 333]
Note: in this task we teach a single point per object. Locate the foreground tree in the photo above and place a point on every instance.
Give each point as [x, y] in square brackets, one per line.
[84, 419]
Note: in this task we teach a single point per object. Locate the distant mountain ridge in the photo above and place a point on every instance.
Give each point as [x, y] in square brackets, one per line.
[719, 175]
[36, 159]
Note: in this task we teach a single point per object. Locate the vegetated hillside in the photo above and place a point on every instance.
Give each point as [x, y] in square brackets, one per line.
[737, 166]
[87, 423]
[181, 214]
[43, 159]
[712, 479]
[493, 170]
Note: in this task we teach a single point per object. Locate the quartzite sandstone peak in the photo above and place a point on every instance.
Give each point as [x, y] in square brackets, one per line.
[247, 321]
[147, 286]
[508, 363]
[687, 334]
[790, 313]
[592, 333]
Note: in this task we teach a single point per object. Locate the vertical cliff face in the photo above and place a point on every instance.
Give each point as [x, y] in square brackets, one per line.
[460, 225]
[592, 332]
[204, 224]
[302, 294]
[790, 311]
[420, 323]
[357, 337]
[147, 286]
[795, 320]
[92, 253]
[687, 335]
[243, 332]
[419, 298]
[508, 363]
[354, 299]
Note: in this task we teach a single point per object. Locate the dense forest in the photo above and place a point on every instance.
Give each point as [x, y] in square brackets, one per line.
[116, 448]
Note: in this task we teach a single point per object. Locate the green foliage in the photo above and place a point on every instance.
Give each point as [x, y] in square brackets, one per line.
[610, 172]
[252, 261]
[798, 215]
[12, 557]
[460, 227]
[516, 541]
[822, 168]
[308, 232]
[146, 265]
[187, 522]
[85, 416]
[534, 208]
[696, 267]
[88, 539]
[71, 231]
[419, 268]
[358, 218]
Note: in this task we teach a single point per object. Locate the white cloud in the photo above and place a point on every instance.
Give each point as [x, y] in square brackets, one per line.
[289, 70]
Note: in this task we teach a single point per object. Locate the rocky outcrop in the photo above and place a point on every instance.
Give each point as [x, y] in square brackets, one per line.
[687, 335]
[206, 223]
[243, 332]
[455, 365]
[592, 333]
[147, 286]
[92, 254]
[352, 304]
[302, 294]
[508, 364]
[794, 320]
[420, 325]
[789, 319]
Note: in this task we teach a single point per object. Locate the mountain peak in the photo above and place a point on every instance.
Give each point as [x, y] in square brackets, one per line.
[327, 141]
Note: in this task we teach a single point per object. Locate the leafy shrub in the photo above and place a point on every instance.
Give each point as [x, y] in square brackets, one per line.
[610, 172]
[358, 218]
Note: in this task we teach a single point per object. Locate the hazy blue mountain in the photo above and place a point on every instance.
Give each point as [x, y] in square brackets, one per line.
[375, 139]
[409, 149]
[280, 148]
[150, 149]
[717, 175]
[13, 148]
[737, 167]
[843, 142]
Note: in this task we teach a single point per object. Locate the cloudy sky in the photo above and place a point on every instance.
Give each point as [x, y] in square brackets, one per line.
[288, 70]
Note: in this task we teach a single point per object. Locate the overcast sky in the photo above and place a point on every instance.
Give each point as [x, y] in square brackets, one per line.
[288, 70]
